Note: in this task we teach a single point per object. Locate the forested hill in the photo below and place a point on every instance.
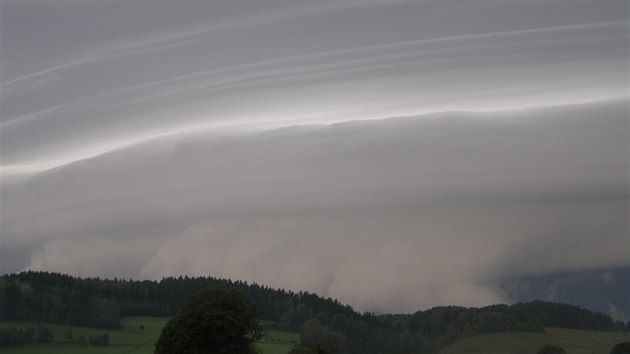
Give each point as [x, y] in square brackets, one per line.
[59, 298]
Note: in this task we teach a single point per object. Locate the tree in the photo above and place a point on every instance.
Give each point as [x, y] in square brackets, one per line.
[315, 335]
[621, 348]
[551, 349]
[214, 321]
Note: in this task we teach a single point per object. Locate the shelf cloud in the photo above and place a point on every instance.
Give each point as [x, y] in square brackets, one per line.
[393, 155]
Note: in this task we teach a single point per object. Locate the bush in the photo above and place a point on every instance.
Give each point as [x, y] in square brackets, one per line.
[15, 336]
[621, 348]
[100, 340]
[43, 335]
[68, 335]
[551, 349]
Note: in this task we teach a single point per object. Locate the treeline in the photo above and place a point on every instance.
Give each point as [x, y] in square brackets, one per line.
[443, 325]
[19, 336]
[64, 299]
[58, 298]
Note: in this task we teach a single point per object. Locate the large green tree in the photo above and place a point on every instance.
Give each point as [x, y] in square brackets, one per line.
[213, 321]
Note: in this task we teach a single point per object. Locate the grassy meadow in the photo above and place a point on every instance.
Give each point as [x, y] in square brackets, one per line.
[278, 342]
[133, 340]
[128, 340]
[572, 340]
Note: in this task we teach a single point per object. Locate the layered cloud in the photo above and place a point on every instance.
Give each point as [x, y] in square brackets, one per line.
[387, 215]
[245, 67]
[257, 142]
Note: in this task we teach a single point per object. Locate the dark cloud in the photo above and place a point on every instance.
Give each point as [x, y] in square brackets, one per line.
[603, 290]
[451, 203]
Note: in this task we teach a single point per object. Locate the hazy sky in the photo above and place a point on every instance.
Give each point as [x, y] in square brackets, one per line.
[395, 155]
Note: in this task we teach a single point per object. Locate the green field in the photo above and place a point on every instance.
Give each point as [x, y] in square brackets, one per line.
[129, 340]
[132, 340]
[277, 342]
[572, 340]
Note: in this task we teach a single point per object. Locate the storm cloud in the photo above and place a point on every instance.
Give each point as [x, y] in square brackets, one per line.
[393, 155]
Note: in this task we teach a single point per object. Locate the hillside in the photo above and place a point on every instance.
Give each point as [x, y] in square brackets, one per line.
[102, 303]
[137, 335]
[604, 290]
[127, 339]
[572, 340]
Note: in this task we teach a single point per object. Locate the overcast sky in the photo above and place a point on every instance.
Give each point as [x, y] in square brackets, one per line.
[394, 155]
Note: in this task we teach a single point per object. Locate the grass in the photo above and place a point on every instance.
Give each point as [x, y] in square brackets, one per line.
[274, 336]
[132, 340]
[129, 340]
[572, 340]
[271, 348]
[278, 342]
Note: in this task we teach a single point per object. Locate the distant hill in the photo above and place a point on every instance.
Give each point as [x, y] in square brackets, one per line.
[603, 290]
[64, 299]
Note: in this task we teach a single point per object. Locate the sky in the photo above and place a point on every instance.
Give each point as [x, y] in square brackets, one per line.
[395, 155]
